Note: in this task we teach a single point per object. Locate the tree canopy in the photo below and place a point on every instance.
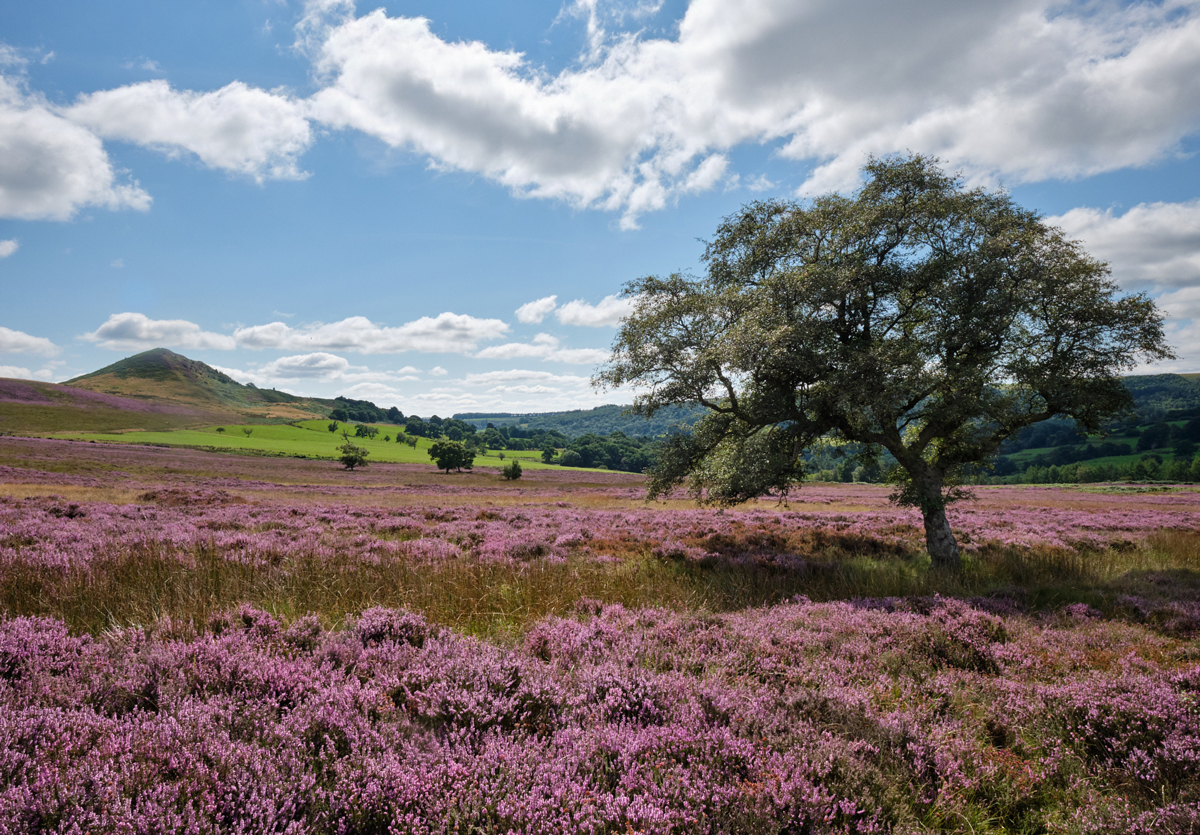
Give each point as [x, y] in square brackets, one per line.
[449, 455]
[916, 316]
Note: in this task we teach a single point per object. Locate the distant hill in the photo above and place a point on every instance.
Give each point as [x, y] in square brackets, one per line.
[164, 376]
[602, 420]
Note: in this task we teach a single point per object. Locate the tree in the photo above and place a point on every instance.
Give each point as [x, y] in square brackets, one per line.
[247, 431]
[451, 455]
[353, 456]
[221, 429]
[512, 470]
[333, 426]
[916, 316]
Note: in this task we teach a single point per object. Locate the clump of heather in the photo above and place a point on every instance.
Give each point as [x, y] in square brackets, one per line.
[870, 716]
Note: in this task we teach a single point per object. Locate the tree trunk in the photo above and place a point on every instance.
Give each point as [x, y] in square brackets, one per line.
[939, 539]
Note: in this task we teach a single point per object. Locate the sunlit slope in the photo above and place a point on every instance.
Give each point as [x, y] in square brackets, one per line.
[308, 440]
[166, 377]
[31, 407]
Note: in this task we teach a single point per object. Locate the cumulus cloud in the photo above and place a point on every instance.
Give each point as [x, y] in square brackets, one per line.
[546, 347]
[50, 167]
[16, 372]
[1152, 244]
[18, 342]
[8, 247]
[138, 332]
[523, 376]
[318, 365]
[609, 312]
[237, 128]
[1019, 89]
[534, 312]
[446, 333]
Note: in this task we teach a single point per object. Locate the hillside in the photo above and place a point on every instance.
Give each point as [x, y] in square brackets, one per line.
[602, 420]
[28, 406]
[164, 376]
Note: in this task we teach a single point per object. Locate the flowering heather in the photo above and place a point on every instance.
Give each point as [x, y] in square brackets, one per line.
[1059, 693]
[870, 717]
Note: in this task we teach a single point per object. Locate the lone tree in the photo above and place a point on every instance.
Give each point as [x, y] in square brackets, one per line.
[352, 456]
[451, 455]
[916, 316]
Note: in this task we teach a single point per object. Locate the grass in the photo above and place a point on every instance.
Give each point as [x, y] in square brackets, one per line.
[39, 419]
[303, 439]
[142, 584]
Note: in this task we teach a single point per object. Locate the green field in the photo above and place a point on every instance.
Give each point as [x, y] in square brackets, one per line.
[304, 439]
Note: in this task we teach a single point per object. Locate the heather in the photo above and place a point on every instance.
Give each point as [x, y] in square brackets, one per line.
[839, 717]
[198, 642]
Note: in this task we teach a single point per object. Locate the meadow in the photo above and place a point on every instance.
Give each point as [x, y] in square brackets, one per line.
[299, 439]
[208, 642]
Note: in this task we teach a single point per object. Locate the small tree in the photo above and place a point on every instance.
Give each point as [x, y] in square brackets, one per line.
[353, 456]
[915, 316]
[512, 470]
[451, 455]
[221, 429]
[247, 430]
[411, 440]
[333, 426]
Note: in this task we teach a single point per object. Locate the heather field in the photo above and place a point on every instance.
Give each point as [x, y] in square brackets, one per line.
[203, 642]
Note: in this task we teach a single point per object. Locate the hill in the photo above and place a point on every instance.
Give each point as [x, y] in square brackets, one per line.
[164, 376]
[28, 406]
[602, 420]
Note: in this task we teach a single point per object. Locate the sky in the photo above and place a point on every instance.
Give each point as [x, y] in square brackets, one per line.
[435, 206]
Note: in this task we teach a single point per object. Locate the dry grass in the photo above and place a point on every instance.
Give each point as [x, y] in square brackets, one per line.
[142, 584]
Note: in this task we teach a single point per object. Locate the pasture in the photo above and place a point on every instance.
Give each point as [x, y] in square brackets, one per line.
[301, 439]
[204, 642]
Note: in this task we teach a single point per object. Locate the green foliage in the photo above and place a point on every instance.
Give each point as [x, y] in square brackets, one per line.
[220, 428]
[602, 420]
[512, 470]
[365, 430]
[916, 317]
[333, 426]
[247, 431]
[352, 456]
[450, 455]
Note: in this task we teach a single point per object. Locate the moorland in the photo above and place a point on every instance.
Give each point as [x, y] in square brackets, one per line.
[209, 625]
[196, 641]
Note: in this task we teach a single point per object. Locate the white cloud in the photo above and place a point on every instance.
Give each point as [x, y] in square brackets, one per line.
[438, 371]
[517, 375]
[317, 365]
[8, 247]
[14, 371]
[136, 331]
[761, 183]
[535, 311]
[609, 312]
[1019, 89]
[237, 128]
[50, 167]
[546, 347]
[379, 393]
[17, 342]
[1152, 244]
[446, 333]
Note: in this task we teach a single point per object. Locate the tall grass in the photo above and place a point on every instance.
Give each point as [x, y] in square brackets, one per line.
[141, 583]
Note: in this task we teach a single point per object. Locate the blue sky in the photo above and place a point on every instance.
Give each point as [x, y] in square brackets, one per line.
[434, 205]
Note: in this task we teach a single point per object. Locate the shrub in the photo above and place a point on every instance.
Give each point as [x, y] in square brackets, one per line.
[512, 471]
[353, 456]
